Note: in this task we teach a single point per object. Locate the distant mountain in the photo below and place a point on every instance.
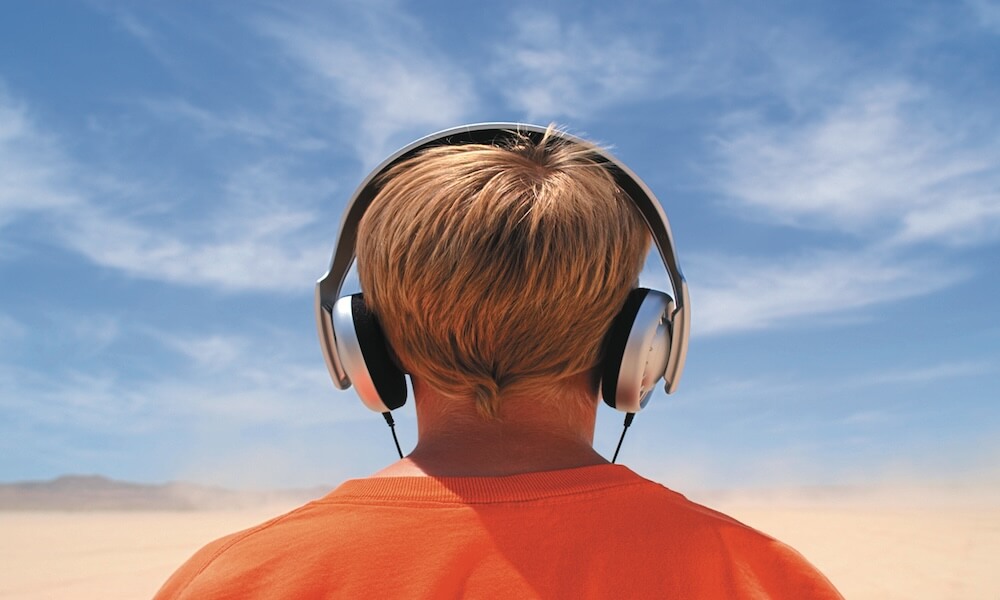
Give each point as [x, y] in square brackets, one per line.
[95, 492]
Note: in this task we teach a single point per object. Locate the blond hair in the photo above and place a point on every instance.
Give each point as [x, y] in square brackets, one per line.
[498, 270]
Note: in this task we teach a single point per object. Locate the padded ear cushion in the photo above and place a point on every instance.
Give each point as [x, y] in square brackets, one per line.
[617, 339]
[387, 378]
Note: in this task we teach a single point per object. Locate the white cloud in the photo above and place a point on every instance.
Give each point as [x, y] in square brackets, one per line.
[739, 294]
[239, 123]
[207, 351]
[235, 381]
[32, 173]
[554, 68]
[147, 38]
[96, 331]
[921, 375]
[277, 392]
[960, 221]
[217, 424]
[724, 394]
[389, 83]
[885, 161]
[888, 159]
[251, 262]
[263, 234]
[868, 417]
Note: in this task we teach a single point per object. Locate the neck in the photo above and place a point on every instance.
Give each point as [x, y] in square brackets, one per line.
[529, 434]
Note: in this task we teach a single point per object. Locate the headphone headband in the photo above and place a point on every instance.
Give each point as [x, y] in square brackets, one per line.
[328, 288]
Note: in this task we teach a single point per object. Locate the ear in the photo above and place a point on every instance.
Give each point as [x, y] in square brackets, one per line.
[636, 350]
[366, 356]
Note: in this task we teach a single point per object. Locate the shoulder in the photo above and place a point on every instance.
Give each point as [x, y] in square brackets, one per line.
[741, 560]
[237, 564]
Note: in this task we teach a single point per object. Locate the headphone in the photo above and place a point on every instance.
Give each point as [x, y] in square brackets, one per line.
[648, 339]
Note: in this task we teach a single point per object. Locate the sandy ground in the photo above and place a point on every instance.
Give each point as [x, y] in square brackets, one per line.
[868, 552]
[936, 554]
[105, 554]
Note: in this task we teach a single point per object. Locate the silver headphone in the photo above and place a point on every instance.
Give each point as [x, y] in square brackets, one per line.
[647, 340]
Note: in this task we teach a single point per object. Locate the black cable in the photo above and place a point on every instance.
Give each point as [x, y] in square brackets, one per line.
[392, 427]
[628, 421]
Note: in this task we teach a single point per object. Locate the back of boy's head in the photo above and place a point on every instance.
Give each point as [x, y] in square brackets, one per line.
[496, 271]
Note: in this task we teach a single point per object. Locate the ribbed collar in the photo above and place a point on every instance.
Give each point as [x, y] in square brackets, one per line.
[484, 490]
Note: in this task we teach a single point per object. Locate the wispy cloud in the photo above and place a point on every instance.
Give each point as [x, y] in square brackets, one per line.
[95, 332]
[240, 399]
[387, 86]
[888, 165]
[739, 294]
[886, 162]
[207, 351]
[729, 393]
[244, 125]
[263, 237]
[262, 234]
[558, 67]
[922, 374]
[149, 39]
[236, 380]
[33, 175]
[866, 418]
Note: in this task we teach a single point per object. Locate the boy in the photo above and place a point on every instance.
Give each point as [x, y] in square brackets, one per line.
[495, 272]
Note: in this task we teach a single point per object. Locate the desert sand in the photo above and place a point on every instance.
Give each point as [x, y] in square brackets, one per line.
[870, 547]
[937, 554]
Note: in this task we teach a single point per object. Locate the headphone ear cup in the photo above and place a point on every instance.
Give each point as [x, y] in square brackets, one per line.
[364, 353]
[636, 350]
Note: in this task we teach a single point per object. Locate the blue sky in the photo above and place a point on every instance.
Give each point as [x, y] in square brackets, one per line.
[172, 178]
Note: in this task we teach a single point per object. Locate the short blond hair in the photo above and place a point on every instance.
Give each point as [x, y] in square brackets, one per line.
[497, 270]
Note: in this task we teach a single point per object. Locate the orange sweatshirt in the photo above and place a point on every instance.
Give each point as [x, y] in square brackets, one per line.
[592, 532]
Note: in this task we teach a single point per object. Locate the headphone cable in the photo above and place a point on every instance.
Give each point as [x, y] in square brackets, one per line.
[628, 421]
[392, 428]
